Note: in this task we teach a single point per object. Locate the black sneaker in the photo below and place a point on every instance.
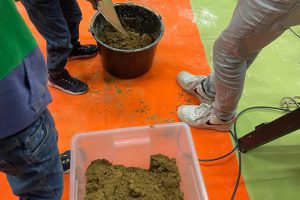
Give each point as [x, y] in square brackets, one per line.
[65, 159]
[83, 51]
[67, 83]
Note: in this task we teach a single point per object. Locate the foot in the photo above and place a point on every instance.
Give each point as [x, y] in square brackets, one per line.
[203, 117]
[65, 159]
[193, 85]
[68, 84]
[83, 51]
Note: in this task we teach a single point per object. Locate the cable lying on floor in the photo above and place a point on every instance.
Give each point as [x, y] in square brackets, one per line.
[294, 33]
[286, 104]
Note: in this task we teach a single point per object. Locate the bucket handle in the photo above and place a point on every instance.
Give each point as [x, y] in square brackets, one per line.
[154, 10]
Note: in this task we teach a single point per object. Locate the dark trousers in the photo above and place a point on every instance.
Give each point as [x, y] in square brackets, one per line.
[58, 22]
[31, 161]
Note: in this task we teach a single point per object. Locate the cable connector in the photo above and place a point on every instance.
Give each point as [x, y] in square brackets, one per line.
[290, 102]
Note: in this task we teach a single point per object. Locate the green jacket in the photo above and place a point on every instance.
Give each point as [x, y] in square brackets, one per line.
[16, 41]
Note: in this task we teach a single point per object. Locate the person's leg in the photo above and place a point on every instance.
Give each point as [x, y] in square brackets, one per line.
[255, 24]
[203, 87]
[209, 83]
[48, 18]
[73, 16]
[31, 161]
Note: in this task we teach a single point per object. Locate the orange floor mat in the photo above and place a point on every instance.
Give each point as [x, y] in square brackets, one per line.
[150, 99]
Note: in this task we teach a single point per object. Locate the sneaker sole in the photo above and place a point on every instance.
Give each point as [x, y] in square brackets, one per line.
[66, 91]
[79, 57]
[212, 127]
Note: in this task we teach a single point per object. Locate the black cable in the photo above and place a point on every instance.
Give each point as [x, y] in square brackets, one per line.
[223, 156]
[237, 182]
[234, 135]
[239, 153]
[262, 107]
[294, 33]
[237, 147]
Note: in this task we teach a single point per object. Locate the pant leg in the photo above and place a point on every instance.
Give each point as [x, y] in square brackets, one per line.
[209, 83]
[255, 24]
[73, 16]
[47, 16]
[31, 161]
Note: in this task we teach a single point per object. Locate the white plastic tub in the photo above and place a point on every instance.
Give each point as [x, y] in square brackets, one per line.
[133, 147]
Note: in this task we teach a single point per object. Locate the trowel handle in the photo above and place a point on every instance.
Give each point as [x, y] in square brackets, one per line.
[98, 5]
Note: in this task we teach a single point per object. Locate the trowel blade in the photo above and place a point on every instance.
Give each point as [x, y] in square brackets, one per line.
[106, 7]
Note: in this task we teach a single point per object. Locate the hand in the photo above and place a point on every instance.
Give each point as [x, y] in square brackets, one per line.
[94, 3]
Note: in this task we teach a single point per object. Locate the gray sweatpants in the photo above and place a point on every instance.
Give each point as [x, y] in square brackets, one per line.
[254, 25]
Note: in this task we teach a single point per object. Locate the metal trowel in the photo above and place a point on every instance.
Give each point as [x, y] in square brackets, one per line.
[106, 7]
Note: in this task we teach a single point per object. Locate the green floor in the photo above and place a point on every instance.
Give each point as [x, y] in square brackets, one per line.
[273, 170]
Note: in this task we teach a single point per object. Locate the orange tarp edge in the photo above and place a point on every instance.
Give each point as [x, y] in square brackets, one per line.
[150, 99]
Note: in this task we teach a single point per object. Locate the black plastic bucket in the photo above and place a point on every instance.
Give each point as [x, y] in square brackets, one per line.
[129, 63]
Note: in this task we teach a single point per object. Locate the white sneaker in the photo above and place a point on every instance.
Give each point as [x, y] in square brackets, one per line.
[193, 85]
[203, 117]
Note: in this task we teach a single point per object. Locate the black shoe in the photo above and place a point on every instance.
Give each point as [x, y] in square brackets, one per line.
[67, 83]
[83, 51]
[65, 159]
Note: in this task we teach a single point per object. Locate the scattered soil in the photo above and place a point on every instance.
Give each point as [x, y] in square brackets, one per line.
[134, 40]
[116, 182]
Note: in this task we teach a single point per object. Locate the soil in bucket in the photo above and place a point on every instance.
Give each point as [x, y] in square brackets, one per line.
[128, 57]
[116, 39]
[116, 182]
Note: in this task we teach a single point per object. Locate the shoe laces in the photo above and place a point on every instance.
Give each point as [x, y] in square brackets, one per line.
[191, 81]
[65, 76]
[80, 47]
[203, 110]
